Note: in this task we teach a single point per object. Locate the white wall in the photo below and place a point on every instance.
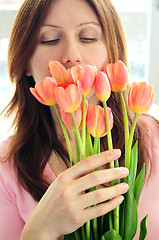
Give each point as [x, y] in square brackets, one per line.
[153, 63]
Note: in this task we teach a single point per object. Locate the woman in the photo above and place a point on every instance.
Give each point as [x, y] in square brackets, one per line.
[37, 189]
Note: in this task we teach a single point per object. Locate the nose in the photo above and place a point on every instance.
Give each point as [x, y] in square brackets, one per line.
[71, 55]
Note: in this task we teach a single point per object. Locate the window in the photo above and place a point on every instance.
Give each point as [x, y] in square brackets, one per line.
[134, 15]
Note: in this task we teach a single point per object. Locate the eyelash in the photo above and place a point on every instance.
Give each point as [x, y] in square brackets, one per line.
[51, 42]
[55, 41]
[88, 40]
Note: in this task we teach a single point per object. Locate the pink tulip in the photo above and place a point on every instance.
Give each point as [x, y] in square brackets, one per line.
[140, 97]
[67, 118]
[58, 71]
[73, 73]
[102, 86]
[86, 75]
[68, 96]
[44, 92]
[95, 121]
[117, 75]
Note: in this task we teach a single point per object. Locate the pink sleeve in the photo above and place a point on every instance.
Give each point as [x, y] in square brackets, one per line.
[149, 201]
[16, 204]
[11, 223]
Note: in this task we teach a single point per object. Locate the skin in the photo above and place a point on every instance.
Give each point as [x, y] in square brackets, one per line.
[74, 38]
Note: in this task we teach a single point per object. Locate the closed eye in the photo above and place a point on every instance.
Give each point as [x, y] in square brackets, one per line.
[51, 42]
[88, 40]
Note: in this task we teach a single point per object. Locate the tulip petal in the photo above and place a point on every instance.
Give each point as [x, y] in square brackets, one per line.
[88, 74]
[102, 87]
[63, 99]
[118, 76]
[67, 118]
[140, 97]
[68, 96]
[58, 71]
[36, 95]
[95, 121]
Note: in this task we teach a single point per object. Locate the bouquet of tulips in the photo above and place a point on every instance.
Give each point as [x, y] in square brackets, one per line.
[68, 89]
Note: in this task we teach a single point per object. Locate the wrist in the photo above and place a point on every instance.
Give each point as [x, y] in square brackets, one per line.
[37, 235]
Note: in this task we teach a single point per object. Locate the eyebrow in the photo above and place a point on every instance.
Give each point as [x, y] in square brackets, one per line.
[79, 25]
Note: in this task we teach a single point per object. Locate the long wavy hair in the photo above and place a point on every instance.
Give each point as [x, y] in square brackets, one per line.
[35, 135]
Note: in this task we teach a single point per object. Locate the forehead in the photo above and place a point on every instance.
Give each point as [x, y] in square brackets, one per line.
[70, 13]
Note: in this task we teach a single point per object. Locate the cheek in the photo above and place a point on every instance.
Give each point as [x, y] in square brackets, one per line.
[38, 65]
[99, 57]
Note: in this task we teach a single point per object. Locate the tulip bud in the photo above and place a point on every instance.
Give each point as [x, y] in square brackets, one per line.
[86, 75]
[140, 97]
[67, 118]
[95, 121]
[117, 75]
[102, 86]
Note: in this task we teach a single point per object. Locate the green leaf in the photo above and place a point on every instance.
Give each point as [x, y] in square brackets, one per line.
[80, 234]
[96, 147]
[139, 184]
[103, 224]
[122, 218]
[143, 228]
[89, 145]
[111, 235]
[70, 236]
[131, 216]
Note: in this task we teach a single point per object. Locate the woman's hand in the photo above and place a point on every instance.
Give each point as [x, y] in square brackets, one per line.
[65, 206]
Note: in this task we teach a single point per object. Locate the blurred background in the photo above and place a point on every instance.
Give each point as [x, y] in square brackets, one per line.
[140, 19]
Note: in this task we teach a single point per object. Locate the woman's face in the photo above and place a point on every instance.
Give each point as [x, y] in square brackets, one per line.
[71, 33]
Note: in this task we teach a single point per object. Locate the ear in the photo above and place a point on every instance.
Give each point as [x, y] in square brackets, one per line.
[28, 72]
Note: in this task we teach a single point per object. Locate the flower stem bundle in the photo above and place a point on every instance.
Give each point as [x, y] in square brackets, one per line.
[68, 89]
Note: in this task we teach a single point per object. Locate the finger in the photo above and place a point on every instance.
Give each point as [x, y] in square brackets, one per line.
[88, 164]
[103, 208]
[102, 195]
[99, 177]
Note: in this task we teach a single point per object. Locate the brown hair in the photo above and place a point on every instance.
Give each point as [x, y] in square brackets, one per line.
[35, 134]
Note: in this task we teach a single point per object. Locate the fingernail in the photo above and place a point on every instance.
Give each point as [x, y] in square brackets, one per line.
[120, 199]
[124, 171]
[116, 152]
[124, 186]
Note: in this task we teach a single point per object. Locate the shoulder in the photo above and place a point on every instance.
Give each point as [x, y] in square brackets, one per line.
[150, 195]
[4, 147]
[8, 177]
[150, 141]
[11, 190]
[150, 130]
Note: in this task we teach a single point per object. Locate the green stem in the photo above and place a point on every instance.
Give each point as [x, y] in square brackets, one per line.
[109, 136]
[84, 122]
[89, 145]
[130, 140]
[88, 230]
[110, 146]
[96, 145]
[66, 136]
[125, 117]
[77, 148]
[78, 136]
[95, 228]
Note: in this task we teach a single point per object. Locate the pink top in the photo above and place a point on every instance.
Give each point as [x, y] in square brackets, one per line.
[16, 203]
